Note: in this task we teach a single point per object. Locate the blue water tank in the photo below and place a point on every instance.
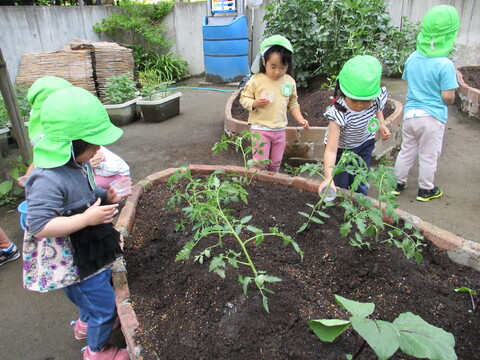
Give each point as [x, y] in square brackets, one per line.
[225, 48]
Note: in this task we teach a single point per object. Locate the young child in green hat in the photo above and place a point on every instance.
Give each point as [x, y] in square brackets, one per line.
[268, 95]
[355, 117]
[70, 242]
[432, 81]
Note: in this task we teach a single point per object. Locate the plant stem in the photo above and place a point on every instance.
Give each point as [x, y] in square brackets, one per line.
[360, 349]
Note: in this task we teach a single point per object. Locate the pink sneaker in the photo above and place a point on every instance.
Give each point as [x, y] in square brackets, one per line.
[79, 329]
[108, 352]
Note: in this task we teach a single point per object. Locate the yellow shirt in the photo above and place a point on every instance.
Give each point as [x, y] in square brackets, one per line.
[274, 115]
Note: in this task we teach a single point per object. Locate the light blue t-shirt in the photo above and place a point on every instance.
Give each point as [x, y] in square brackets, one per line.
[427, 77]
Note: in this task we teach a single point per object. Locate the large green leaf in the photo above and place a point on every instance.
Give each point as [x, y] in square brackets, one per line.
[355, 307]
[383, 337]
[328, 329]
[423, 340]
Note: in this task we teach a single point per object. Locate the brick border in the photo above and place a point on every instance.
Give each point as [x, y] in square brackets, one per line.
[307, 145]
[468, 98]
[461, 251]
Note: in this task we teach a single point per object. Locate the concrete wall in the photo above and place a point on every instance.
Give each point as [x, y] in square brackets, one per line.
[33, 29]
[468, 39]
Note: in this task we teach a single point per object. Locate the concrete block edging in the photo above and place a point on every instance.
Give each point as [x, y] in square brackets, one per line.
[461, 251]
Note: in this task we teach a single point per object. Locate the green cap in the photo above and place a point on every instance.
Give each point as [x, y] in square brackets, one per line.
[36, 95]
[71, 114]
[439, 30]
[360, 78]
[276, 40]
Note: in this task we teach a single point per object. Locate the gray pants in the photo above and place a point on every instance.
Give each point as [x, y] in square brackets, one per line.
[421, 136]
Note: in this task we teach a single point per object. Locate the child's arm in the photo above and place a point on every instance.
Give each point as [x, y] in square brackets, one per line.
[248, 100]
[330, 154]
[65, 225]
[448, 96]
[384, 130]
[297, 115]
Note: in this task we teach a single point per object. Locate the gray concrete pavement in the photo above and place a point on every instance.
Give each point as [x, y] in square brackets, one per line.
[36, 326]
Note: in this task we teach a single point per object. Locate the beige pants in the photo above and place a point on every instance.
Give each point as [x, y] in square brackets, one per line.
[4, 240]
[422, 137]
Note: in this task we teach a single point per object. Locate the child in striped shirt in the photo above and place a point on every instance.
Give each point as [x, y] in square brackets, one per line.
[356, 116]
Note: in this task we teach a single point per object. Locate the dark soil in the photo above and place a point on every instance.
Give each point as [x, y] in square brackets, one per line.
[313, 100]
[187, 312]
[471, 75]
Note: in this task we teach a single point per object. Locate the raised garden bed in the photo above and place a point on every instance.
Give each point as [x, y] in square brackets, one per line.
[307, 145]
[184, 311]
[468, 92]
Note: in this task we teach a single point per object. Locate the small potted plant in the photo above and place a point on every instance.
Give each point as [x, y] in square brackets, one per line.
[157, 104]
[120, 99]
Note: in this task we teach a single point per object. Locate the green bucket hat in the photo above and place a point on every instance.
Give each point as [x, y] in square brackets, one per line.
[267, 44]
[71, 114]
[360, 78]
[275, 40]
[440, 26]
[38, 92]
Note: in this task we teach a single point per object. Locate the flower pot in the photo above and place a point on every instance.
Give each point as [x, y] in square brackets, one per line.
[306, 145]
[123, 114]
[160, 109]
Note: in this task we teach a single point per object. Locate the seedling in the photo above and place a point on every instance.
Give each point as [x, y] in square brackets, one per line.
[205, 201]
[472, 293]
[362, 217]
[408, 332]
[247, 151]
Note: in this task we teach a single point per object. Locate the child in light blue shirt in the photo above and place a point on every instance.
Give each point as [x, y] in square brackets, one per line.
[432, 81]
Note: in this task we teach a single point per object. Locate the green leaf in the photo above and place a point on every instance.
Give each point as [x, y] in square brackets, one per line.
[423, 340]
[345, 229]
[466, 289]
[355, 307]
[217, 265]
[302, 228]
[244, 281]
[328, 329]
[246, 219]
[382, 336]
[185, 252]
[5, 187]
[253, 229]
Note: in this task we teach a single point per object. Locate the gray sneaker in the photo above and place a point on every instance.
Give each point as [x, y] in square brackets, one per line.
[9, 254]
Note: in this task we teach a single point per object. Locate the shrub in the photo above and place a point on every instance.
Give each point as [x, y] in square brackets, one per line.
[325, 35]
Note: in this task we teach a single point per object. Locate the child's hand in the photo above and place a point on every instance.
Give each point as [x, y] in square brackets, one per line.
[262, 102]
[113, 198]
[385, 132]
[21, 180]
[100, 214]
[304, 123]
[97, 159]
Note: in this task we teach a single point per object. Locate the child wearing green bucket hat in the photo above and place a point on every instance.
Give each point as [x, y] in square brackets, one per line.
[70, 242]
[432, 80]
[37, 93]
[355, 117]
[268, 95]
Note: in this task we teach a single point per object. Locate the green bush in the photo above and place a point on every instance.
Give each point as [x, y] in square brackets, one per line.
[119, 89]
[143, 21]
[325, 34]
[23, 104]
